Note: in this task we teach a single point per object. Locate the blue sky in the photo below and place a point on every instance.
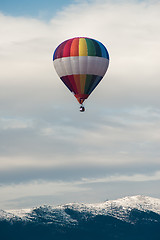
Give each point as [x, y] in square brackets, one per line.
[50, 153]
[39, 9]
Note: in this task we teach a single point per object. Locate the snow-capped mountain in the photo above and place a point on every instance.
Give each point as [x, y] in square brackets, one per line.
[120, 209]
[116, 219]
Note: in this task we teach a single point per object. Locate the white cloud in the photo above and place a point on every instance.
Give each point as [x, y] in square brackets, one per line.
[12, 194]
[20, 195]
[39, 121]
[14, 123]
[129, 30]
[127, 139]
[123, 178]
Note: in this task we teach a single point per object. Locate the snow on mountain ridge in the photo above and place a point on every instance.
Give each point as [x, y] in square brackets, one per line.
[122, 207]
[119, 209]
[4, 215]
[140, 202]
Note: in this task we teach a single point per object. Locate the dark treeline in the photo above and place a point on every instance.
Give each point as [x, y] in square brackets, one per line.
[145, 225]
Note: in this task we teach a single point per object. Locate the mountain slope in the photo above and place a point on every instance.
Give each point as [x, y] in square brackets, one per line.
[136, 217]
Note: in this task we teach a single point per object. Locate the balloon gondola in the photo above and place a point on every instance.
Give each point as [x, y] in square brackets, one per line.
[82, 108]
[81, 64]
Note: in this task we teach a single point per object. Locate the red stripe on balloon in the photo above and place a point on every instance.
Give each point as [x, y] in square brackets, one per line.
[67, 47]
[59, 51]
[73, 84]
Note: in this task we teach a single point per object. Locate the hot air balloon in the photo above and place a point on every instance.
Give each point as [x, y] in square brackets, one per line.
[81, 63]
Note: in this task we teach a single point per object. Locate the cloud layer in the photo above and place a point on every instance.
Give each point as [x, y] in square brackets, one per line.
[44, 138]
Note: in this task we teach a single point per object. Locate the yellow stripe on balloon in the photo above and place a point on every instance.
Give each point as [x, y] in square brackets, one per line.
[83, 47]
[82, 82]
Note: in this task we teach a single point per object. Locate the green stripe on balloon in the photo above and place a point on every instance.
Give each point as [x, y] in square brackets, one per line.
[90, 47]
[88, 83]
[98, 49]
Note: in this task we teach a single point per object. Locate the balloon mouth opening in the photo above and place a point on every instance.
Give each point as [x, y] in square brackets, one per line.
[81, 97]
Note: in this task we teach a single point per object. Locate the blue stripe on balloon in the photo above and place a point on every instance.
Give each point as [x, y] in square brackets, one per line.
[103, 50]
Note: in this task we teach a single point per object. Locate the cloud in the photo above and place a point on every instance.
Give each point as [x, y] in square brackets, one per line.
[13, 123]
[43, 135]
[129, 30]
[22, 193]
[123, 178]
[30, 193]
[115, 140]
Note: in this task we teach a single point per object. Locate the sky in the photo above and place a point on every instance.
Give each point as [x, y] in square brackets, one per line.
[50, 153]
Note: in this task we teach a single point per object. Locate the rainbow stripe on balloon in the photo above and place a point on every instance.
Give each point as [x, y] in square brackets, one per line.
[81, 64]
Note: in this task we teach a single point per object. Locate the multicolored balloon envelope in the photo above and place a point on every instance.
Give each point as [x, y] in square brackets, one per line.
[81, 64]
